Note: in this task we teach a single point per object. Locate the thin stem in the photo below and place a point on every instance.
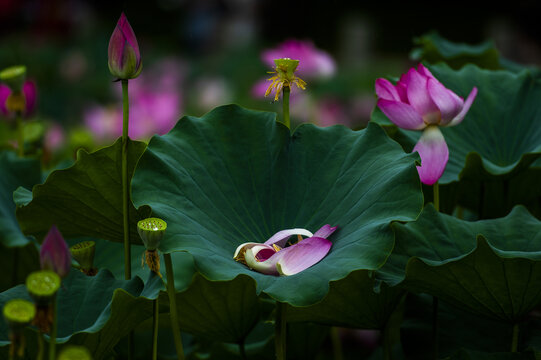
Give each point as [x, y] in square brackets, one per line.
[41, 346]
[514, 343]
[286, 90]
[52, 338]
[242, 351]
[173, 305]
[156, 308]
[435, 326]
[280, 335]
[436, 187]
[20, 134]
[387, 341]
[336, 344]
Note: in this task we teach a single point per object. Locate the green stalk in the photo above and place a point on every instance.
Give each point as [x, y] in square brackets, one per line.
[435, 302]
[52, 338]
[156, 308]
[125, 196]
[41, 346]
[242, 350]
[285, 92]
[336, 344]
[280, 335]
[514, 343]
[436, 187]
[20, 133]
[173, 305]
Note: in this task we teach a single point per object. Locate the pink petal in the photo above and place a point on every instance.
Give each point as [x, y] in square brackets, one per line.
[30, 96]
[402, 115]
[302, 255]
[467, 104]
[434, 155]
[447, 101]
[281, 237]
[419, 97]
[245, 246]
[267, 266]
[5, 91]
[424, 71]
[386, 90]
[325, 231]
[129, 35]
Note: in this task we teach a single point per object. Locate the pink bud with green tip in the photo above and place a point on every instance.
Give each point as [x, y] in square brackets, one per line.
[54, 253]
[124, 56]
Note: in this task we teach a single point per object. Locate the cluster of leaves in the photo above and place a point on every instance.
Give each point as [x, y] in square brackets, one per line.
[236, 175]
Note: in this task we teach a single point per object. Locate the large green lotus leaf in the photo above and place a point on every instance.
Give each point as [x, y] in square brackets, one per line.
[490, 267]
[15, 172]
[95, 311]
[223, 311]
[434, 48]
[352, 302]
[236, 176]
[86, 198]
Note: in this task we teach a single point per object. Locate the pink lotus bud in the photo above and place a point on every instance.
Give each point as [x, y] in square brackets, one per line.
[124, 56]
[29, 92]
[54, 253]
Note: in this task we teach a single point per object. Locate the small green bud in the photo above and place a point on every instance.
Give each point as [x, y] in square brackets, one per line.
[84, 252]
[19, 313]
[151, 231]
[14, 77]
[42, 285]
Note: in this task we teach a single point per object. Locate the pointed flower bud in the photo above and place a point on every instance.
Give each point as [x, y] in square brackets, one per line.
[75, 352]
[84, 252]
[151, 231]
[14, 77]
[54, 253]
[124, 56]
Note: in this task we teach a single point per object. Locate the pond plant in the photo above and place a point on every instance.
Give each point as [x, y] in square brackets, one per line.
[279, 239]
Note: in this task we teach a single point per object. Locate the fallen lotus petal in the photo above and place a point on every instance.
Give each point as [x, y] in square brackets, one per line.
[274, 257]
[434, 155]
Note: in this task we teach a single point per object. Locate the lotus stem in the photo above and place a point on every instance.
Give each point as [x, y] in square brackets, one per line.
[54, 329]
[156, 308]
[514, 342]
[125, 196]
[242, 350]
[435, 327]
[280, 328]
[436, 187]
[173, 305]
[41, 346]
[286, 91]
[336, 344]
[20, 133]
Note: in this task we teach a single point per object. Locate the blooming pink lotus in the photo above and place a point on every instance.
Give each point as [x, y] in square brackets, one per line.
[273, 257]
[29, 91]
[54, 253]
[124, 56]
[419, 101]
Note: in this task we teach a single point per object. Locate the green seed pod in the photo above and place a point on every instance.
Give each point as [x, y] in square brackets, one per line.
[14, 77]
[19, 313]
[42, 286]
[285, 67]
[84, 252]
[72, 352]
[151, 231]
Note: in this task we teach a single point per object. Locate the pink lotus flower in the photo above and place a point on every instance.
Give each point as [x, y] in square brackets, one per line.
[419, 101]
[124, 56]
[54, 253]
[30, 96]
[273, 257]
[313, 63]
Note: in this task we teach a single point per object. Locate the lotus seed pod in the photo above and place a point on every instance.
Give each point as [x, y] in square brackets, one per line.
[42, 286]
[19, 313]
[73, 352]
[14, 77]
[151, 231]
[286, 67]
[84, 252]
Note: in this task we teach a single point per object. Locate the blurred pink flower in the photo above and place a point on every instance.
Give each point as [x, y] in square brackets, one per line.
[155, 105]
[30, 96]
[313, 63]
[331, 112]
[54, 138]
